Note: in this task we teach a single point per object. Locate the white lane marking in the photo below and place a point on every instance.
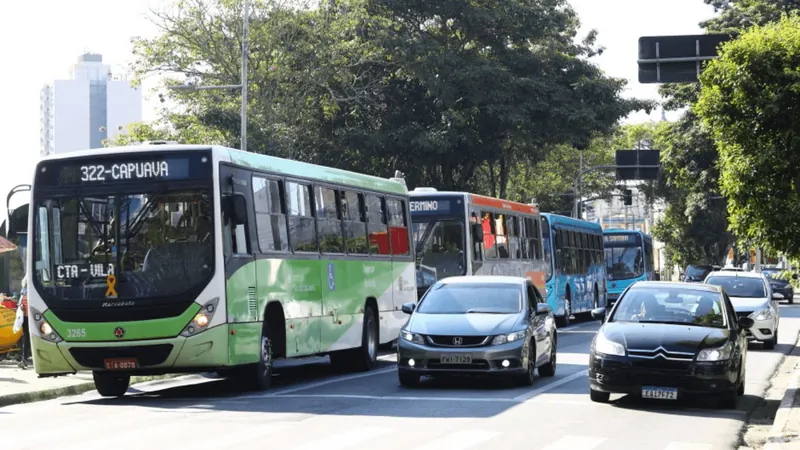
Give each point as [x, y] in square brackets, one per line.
[688, 446]
[345, 439]
[573, 358]
[550, 386]
[398, 397]
[461, 440]
[306, 387]
[229, 439]
[576, 443]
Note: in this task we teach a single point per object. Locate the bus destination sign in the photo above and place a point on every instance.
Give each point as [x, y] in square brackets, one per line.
[88, 172]
[438, 206]
[622, 238]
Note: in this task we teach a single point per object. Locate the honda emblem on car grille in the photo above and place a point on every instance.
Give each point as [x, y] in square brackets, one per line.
[457, 341]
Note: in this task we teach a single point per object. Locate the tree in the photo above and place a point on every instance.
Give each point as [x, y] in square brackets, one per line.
[695, 226]
[749, 100]
[434, 89]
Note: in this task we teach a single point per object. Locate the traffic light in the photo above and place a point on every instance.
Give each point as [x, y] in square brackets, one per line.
[627, 196]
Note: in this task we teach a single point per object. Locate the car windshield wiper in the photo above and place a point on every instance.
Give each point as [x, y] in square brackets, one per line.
[671, 322]
[482, 311]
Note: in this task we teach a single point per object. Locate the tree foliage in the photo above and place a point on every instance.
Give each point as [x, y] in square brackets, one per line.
[438, 90]
[695, 226]
[750, 100]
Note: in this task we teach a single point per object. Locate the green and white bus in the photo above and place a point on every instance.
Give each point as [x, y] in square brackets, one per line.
[167, 258]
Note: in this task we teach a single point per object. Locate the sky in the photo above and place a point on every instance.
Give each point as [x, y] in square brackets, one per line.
[51, 34]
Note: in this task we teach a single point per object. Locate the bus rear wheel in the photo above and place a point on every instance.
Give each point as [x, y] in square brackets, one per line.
[110, 384]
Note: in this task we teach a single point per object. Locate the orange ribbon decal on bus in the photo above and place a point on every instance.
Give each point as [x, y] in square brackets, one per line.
[111, 282]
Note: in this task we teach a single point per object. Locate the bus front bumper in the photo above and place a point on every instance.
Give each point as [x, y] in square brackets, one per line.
[197, 353]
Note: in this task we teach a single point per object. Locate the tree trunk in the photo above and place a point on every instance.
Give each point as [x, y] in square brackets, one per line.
[503, 177]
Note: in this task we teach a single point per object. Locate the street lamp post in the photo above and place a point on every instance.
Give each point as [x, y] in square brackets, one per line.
[242, 86]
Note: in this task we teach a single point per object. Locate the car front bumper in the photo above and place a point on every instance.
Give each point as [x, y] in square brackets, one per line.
[618, 375]
[485, 360]
[762, 330]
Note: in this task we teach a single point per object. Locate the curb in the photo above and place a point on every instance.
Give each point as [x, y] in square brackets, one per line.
[75, 389]
[776, 440]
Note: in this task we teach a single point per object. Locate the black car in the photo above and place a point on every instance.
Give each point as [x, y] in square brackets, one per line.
[696, 273]
[783, 287]
[478, 325]
[667, 340]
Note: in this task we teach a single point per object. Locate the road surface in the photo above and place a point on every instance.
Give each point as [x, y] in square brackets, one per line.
[313, 408]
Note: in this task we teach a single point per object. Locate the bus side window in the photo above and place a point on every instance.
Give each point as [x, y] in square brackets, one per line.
[398, 226]
[329, 224]
[271, 228]
[302, 226]
[376, 225]
[500, 237]
[477, 246]
[234, 235]
[489, 247]
[355, 224]
[513, 237]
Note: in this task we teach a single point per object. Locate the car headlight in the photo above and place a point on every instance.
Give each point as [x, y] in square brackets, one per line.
[608, 347]
[412, 337]
[716, 354]
[764, 314]
[511, 337]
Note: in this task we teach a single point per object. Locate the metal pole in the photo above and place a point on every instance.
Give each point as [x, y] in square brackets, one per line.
[245, 51]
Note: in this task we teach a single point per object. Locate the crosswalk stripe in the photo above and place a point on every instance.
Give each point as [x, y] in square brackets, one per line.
[461, 440]
[688, 446]
[345, 439]
[576, 443]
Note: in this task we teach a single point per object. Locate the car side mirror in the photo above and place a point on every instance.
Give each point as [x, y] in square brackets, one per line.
[777, 296]
[409, 307]
[746, 322]
[542, 309]
[477, 233]
[599, 313]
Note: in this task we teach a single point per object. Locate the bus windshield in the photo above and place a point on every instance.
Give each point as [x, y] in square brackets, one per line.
[154, 243]
[624, 258]
[439, 248]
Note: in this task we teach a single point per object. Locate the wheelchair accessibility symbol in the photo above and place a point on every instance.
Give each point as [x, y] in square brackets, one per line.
[331, 277]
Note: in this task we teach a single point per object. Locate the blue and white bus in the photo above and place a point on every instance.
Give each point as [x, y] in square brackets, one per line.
[576, 273]
[629, 258]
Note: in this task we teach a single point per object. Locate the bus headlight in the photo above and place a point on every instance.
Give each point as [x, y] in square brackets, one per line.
[202, 319]
[45, 330]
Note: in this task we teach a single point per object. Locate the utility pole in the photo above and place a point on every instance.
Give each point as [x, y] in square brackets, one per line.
[242, 86]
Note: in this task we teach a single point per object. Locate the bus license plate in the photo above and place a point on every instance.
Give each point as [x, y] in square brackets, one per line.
[456, 359]
[659, 393]
[121, 363]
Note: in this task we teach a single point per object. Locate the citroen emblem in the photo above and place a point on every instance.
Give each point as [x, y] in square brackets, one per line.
[119, 332]
[457, 341]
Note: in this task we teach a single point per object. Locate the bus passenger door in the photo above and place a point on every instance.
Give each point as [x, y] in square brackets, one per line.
[240, 272]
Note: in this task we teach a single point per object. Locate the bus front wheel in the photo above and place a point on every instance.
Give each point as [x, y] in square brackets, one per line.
[110, 384]
[563, 321]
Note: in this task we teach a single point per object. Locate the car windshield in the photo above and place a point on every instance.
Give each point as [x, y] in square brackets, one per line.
[124, 246]
[464, 298]
[440, 250]
[771, 273]
[698, 273]
[670, 306]
[740, 286]
[624, 259]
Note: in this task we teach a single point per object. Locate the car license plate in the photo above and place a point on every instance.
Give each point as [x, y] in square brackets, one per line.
[660, 393]
[456, 359]
[121, 363]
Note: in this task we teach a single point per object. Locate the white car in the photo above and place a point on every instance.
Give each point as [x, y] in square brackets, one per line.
[752, 296]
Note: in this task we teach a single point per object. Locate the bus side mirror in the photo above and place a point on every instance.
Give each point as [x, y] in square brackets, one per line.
[477, 232]
[236, 209]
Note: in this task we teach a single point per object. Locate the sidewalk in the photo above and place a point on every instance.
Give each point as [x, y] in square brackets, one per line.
[23, 386]
[785, 431]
